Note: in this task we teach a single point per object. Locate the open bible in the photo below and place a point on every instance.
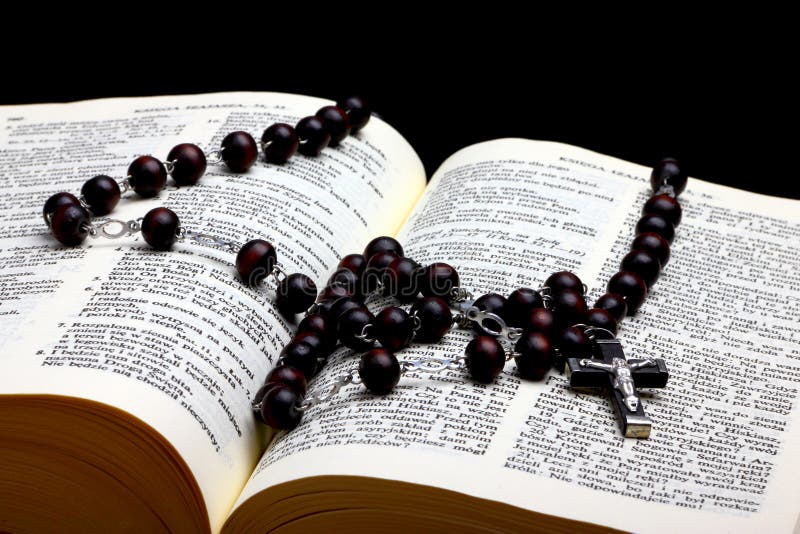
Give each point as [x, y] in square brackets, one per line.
[126, 374]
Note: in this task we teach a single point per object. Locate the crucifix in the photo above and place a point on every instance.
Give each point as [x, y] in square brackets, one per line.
[621, 377]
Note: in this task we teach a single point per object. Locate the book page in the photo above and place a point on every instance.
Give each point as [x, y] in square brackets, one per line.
[174, 337]
[723, 315]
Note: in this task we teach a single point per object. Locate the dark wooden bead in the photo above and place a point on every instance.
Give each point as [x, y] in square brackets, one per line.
[393, 328]
[336, 123]
[357, 111]
[379, 371]
[259, 397]
[541, 320]
[147, 176]
[317, 344]
[519, 305]
[356, 263]
[569, 307]
[562, 280]
[101, 193]
[535, 355]
[319, 324]
[332, 310]
[435, 319]
[160, 228]
[347, 279]
[255, 261]
[68, 224]
[438, 280]
[664, 205]
[59, 199]
[401, 279]
[485, 358]
[279, 407]
[654, 244]
[491, 303]
[286, 374]
[656, 224]
[351, 324]
[296, 293]
[301, 356]
[312, 135]
[642, 263]
[602, 319]
[631, 287]
[376, 267]
[280, 143]
[383, 244]
[668, 172]
[572, 342]
[613, 303]
[188, 163]
[333, 292]
[239, 151]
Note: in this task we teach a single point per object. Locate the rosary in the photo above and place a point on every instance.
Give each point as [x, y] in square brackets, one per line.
[551, 326]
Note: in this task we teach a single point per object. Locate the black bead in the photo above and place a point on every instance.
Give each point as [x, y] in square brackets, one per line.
[259, 397]
[351, 324]
[541, 320]
[562, 280]
[438, 280]
[642, 263]
[491, 303]
[280, 143]
[668, 172]
[485, 358]
[435, 319]
[336, 123]
[302, 357]
[379, 371]
[376, 267]
[59, 199]
[333, 310]
[239, 151]
[631, 287]
[356, 263]
[602, 319]
[666, 206]
[188, 163]
[358, 111]
[255, 260]
[401, 279]
[347, 279]
[296, 293]
[101, 193]
[393, 328]
[519, 305]
[279, 407]
[312, 135]
[290, 376]
[333, 292]
[317, 344]
[654, 244]
[160, 228]
[572, 342]
[613, 303]
[569, 307]
[535, 355]
[147, 176]
[383, 244]
[656, 224]
[68, 224]
[321, 325]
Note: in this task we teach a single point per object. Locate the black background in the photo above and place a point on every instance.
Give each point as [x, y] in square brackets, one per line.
[727, 114]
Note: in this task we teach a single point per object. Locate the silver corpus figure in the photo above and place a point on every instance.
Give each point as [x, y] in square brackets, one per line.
[621, 369]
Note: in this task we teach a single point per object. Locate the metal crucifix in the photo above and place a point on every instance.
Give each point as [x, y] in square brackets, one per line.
[621, 377]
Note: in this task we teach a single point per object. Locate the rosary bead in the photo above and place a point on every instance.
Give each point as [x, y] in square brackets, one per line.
[351, 325]
[485, 358]
[540, 320]
[435, 319]
[401, 279]
[356, 263]
[382, 244]
[296, 293]
[379, 371]
[613, 303]
[642, 263]
[654, 244]
[255, 261]
[393, 328]
[656, 224]
[147, 176]
[322, 326]
[376, 268]
[357, 111]
[239, 151]
[558, 282]
[101, 193]
[336, 123]
[569, 307]
[631, 286]
[332, 310]
[280, 143]
[664, 205]
[572, 342]
[279, 407]
[331, 293]
[535, 355]
[285, 374]
[347, 279]
[519, 305]
[668, 172]
[68, 224]
[312, 135]
[491, 303]
[57, 200]
[301, 356]
[602, 319]
[438, 280]
[188, 163]
[160, 228]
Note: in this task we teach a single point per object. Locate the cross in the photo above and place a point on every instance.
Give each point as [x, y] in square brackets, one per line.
[621, 377]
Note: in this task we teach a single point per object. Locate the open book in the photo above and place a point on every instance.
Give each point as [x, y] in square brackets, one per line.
[126, 374]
